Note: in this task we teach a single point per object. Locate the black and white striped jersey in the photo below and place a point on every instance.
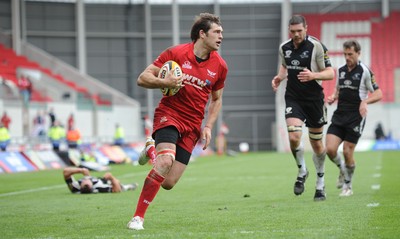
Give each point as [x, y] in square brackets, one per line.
[353, 86]
[311, 54]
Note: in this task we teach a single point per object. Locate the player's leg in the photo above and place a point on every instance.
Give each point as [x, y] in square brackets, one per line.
[333, 141]
[166, 139]
[294, 126]
[316, 114]
[177, 169]
[316, 135]
[353, 134]
[348, 152]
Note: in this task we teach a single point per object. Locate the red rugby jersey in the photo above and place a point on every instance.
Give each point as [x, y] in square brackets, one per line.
[199, 80]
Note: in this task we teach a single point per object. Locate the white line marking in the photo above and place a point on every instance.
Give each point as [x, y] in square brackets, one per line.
[375, 186]
[59, 186]
[376, 175]
[375, 204]
[31, 190]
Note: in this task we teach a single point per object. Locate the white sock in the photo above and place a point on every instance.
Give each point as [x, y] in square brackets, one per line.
[298, 154]
[348, 175]
[319, 162]
[338, 161]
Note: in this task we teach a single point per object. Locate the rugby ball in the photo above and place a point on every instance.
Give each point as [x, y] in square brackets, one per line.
[165, 69]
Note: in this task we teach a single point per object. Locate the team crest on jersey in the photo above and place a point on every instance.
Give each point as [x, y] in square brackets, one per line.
[356, 76]
[305, 54]
[288, 110]
[186, 65]
[211, 74]
[288, 53]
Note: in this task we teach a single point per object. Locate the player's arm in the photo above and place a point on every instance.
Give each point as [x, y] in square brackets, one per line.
[307, 75]
[372, 98]
[69, 171]
[375, 96]
[149, 79]
[282, 74]
[69, 179]
[335, 95]
[115, 183]
[325, 72]
[213, 111]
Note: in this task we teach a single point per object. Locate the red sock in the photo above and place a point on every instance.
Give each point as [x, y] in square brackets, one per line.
[151, 186]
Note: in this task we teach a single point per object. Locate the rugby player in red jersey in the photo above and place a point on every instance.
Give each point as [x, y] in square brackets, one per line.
[178, 118]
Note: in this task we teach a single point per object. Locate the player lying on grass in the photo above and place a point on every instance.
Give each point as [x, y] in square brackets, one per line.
[89, 184]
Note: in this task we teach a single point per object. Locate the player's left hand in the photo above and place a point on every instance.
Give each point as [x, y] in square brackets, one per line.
[363, 109]
[305, 75]
[206, 137]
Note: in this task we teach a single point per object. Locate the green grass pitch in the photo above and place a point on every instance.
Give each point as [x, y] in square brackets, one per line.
[247, 196]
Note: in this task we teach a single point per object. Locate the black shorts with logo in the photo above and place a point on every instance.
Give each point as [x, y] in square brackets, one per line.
[347, 125]
[313, 113]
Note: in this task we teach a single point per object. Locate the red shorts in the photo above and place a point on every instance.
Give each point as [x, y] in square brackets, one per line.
[189, 131]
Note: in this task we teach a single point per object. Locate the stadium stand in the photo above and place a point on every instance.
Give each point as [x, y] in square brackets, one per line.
[9, 68]
[375, 33]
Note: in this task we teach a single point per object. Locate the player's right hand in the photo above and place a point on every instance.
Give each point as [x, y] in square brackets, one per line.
[276, 82]
[331, 99]
[173, 81]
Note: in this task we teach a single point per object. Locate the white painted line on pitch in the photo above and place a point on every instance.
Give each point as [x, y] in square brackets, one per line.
[31, 190]
[375, 186]
[377, 175]
[246, 232]
[58, 186]
[375, 204]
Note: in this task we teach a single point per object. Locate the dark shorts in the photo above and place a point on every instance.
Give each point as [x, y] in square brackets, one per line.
[312, 113]
[348, 126]
[170, 134]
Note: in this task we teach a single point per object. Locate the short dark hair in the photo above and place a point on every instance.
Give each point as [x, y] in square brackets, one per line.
[298, 19]
[203, 22]
[86, 189]
[352, 43]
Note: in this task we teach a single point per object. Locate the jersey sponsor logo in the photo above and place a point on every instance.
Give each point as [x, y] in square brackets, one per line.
[295, 62]
[211, 74]
[288, 53]
[300, 68]
[186, 65]
[347, 82]
[288, 110]
[194, 81]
